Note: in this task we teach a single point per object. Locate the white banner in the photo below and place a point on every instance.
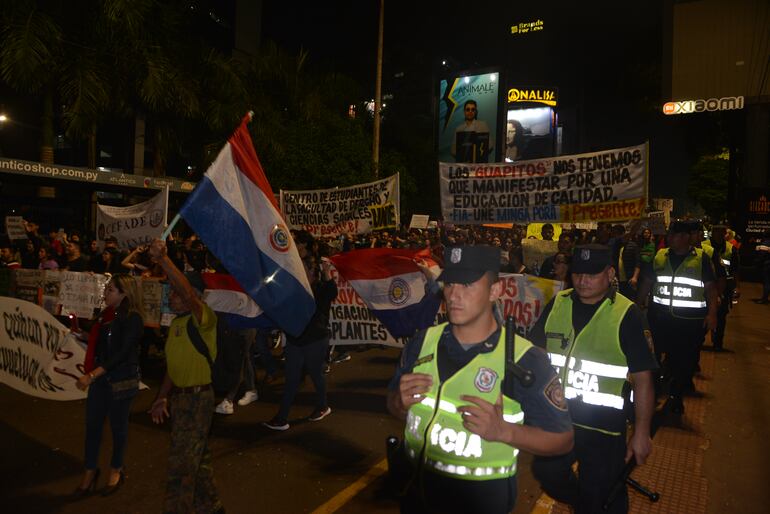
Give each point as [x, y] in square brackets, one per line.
[355, 209]
[14, 227]
[61, 292]
[351, 322]
[600, 186]
[134, 225]
[38, 355]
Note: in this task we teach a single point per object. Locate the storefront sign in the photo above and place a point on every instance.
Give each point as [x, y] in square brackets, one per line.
[727, 103]
[532, 95]
[527, 27]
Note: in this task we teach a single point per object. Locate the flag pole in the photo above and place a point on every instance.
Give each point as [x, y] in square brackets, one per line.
[170, 227]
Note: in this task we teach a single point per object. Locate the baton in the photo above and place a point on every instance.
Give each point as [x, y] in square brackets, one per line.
[525, 376]
[625, 476]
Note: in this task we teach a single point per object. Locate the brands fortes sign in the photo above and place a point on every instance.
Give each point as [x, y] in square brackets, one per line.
[532, 95]
[728, 103]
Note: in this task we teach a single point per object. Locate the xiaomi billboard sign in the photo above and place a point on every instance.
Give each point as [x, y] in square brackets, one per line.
[727, 103]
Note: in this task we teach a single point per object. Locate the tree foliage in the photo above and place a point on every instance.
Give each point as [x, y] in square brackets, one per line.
[708, 183]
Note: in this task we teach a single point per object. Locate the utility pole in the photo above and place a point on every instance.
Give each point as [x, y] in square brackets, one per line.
[378, 97]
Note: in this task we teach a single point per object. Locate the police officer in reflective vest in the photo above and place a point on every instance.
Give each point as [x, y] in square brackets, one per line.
[683, 302]
[597, 340]
[728, 257]
[466, 418]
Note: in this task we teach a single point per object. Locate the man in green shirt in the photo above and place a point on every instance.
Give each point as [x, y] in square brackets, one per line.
[186, 388]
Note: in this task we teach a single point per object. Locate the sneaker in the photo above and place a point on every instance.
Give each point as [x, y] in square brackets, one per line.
[248, 397]
[276, 424]
[318, 415]
[226, 407]
[343, 357]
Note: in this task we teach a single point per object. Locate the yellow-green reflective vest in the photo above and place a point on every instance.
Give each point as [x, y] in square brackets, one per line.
[724, 257]
[434, 431]
[681, 292]
[592, 366]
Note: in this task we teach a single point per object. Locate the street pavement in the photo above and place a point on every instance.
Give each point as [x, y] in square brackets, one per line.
[717, 454]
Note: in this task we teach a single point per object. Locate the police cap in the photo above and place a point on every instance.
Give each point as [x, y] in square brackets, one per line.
[591, 259]
[467, 264]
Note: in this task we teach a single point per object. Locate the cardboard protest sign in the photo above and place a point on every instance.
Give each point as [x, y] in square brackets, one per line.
[599, 186]
[419, 221]
[535, 251]
[524, 297]
[134, 225]
[355, 209]
[38, 355]
[81, 293]
[14, 227]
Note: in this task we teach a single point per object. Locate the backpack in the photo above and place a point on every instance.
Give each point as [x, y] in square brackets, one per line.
[226, 368]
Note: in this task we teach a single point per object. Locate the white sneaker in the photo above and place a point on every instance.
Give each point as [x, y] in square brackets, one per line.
[248, 397]
[226, 407]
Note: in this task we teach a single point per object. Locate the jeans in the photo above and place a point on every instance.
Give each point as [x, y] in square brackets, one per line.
[100, 405]
[247, 366]
[312, 358]
[263, 347]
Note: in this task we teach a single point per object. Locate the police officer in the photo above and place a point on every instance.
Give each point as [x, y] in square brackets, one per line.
[464, 413]
[728, 257]
[683, 303]
[596, 339]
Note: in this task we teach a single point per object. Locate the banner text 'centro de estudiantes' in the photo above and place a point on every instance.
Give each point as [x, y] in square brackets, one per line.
[601, 186]
[355, 209]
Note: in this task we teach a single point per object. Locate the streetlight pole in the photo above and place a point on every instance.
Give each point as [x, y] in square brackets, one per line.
[378, 97]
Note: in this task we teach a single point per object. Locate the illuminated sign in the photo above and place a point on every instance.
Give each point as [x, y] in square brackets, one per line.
[531, 95]
[727, 103]
[761, 206]
[526, 27]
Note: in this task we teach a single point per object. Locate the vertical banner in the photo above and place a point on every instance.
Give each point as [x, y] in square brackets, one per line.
[38, 355]
[598, 186]
[134, 225]
[467, 118]
[355, 209]
[754, 211]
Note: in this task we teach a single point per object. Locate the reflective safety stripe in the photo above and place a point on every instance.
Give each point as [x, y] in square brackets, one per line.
[442, 404]
[514, 418]
[680, 280]
[450, 408]
[480, 471]
[725, 262]
[594, 398]
[591, 367]
[679, 303]
[603, 370]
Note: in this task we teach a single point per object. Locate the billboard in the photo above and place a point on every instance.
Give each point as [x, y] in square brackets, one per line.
[529, 133]
[467, 118]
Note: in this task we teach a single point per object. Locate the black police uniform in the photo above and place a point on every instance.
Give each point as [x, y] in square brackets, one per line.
[430, 492]
[676, 337]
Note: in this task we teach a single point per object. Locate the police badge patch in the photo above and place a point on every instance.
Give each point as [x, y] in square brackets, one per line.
[456, 255]
[485, 380]
[585, 254]
[554, 393]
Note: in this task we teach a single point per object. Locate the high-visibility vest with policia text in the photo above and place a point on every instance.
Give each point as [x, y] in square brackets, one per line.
[592, 366]
[724, 257]
[681, 291]
[434, 432]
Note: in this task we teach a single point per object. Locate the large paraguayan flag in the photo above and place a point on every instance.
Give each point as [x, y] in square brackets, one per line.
[233, 210]
[226, 296]
[392, 286]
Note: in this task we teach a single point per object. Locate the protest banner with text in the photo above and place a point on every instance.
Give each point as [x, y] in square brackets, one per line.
[356, 209]
[599, 186]
[134, 225]
[38, 355]
[351, 322]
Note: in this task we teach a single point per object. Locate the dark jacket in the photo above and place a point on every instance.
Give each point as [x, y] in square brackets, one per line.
[325, 292]
[118, 348]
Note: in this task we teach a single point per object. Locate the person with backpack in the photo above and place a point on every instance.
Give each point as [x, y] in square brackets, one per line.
[186, 394]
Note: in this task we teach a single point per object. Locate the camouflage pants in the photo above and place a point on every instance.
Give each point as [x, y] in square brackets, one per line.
[190, 487]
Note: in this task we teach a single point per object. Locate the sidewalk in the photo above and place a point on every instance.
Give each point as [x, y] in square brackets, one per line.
[716, 459]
